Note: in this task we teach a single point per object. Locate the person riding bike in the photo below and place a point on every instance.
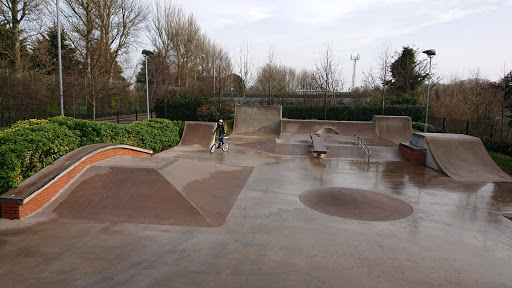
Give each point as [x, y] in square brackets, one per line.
[223, 129]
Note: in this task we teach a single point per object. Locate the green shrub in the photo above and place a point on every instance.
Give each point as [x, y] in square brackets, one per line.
[351, 113]
[153, 134]
[26, 151]
[421, 127]
[28, 146]
[23, 124]
[180, 108]
[213, 111]
[499, 146]
[89, 132]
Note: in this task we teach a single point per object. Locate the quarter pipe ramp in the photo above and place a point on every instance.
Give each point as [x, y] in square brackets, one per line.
[257, 120]
[461, 157]
[198, 133]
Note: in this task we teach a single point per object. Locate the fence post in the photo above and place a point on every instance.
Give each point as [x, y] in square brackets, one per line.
[117, 112]
[492, 131]
[467, 127]
[444, 124]
[136, 115]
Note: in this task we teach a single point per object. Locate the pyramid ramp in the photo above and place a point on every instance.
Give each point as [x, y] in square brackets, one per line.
[178, 192]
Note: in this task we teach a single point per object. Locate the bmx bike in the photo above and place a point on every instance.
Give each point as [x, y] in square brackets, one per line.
[217, 145]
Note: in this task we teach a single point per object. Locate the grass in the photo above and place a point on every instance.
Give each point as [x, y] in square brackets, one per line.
[503, 161]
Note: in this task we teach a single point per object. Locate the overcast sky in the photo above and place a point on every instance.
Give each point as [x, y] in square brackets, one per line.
[467, 35]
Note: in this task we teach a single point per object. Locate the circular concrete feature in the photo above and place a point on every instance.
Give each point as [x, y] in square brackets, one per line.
[327, 130]
[355, 204]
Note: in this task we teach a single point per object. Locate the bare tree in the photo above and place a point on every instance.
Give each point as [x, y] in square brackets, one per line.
[476, 99]
[119, 23]
[271, 78]
[222, 71]
[384, 64]
[306, 84]
[178, 37]
[328, 76]
[245, 64]
[101, 31]
[13, 13]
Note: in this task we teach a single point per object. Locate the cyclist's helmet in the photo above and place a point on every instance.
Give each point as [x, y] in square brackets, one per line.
[220, 121]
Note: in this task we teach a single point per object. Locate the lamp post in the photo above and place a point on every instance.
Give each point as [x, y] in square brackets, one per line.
[147, 53]
[213, 75]
[430, 53]
[59, 48]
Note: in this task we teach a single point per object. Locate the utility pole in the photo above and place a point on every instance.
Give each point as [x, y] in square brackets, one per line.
[354, 58]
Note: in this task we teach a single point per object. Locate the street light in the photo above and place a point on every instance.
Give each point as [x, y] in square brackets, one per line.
[59, 48]
[430, 53]
[147, 53]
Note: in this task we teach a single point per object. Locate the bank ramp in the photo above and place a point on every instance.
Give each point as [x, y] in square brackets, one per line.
[461, 157]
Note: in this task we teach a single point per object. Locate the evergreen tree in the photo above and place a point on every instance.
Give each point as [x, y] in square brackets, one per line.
[45, 54]
[407, 77]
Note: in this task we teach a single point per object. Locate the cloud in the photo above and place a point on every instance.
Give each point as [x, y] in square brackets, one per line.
[458, 13]
[259, 13]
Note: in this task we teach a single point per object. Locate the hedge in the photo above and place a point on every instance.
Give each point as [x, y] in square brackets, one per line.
[28, 146]
[179, 108]
[421, 127]
[352, 113]
[499, 146]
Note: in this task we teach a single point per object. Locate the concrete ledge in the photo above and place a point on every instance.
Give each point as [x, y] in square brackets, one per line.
[413, 147]
[413, 153]
[40, 188]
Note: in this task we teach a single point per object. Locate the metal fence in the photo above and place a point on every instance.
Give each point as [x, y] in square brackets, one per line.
[481, 129]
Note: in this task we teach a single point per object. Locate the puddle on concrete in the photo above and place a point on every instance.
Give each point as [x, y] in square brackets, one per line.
[355, 204]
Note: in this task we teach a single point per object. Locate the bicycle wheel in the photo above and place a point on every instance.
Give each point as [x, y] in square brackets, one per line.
[213, 148]
[225, 147]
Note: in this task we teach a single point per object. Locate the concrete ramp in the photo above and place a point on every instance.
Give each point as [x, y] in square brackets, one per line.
[344, 128]
[176, 192]
[461, 157]
[257, 120]
[198, 133]
[396, 129]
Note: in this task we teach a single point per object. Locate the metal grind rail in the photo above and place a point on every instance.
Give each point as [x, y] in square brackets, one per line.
[360, 142]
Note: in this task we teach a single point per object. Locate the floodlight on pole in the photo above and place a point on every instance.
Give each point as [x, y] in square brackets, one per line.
[430, 54]
[147, 53]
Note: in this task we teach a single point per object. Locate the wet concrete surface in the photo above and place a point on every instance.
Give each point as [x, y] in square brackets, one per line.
[456, 236]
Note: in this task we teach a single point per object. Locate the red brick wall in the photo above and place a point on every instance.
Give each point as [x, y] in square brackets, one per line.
[16, 211]
[418, 158]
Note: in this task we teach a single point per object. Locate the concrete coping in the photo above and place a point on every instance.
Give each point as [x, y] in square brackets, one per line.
[45, 176]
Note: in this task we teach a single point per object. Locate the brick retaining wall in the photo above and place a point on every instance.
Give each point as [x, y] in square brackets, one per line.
[21, 208]
[413, 154]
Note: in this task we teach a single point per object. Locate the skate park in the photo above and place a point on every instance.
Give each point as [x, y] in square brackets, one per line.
[269, 212]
